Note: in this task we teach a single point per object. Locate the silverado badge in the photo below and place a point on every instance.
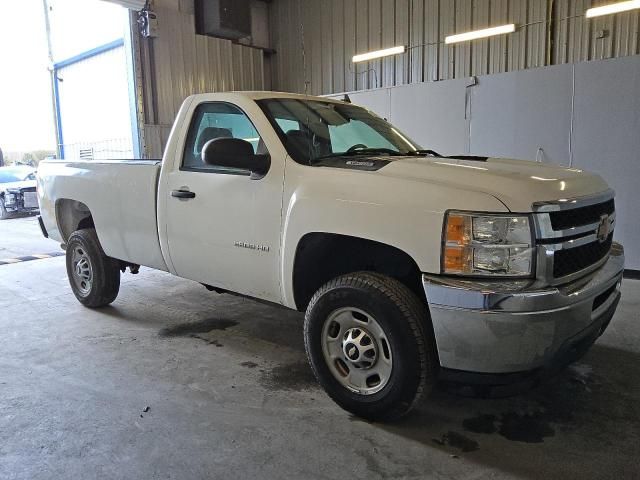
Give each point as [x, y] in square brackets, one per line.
[252, 246]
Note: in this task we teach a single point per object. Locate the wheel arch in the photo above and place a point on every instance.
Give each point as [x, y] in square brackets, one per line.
[72, 215]
[321, 256]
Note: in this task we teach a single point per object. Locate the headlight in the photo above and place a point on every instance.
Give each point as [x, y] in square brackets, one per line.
[10, 198]
[487, 245]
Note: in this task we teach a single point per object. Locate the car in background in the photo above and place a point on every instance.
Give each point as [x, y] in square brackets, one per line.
[17, 190]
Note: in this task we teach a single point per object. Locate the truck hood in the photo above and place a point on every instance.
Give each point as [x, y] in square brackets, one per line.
[516, 183]
[17, 185]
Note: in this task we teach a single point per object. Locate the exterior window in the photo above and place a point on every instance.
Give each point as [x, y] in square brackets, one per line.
[217, 120]
[314, 129]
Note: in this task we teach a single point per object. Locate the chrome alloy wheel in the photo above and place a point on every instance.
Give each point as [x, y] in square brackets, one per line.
[356, 350]
[82, 271]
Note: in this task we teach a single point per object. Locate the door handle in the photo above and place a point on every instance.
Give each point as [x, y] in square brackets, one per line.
[182, 194]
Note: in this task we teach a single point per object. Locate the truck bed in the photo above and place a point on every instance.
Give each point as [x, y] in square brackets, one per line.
[121, 196]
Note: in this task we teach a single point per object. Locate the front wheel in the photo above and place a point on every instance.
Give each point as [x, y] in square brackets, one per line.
[369, 342]
[94, 277]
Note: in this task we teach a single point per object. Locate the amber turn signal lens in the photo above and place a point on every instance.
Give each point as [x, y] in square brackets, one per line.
[456, 229]
[455, 259]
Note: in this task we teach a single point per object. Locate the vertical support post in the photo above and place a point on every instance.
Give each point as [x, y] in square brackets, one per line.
[134, 77]
[55, 96]
[58, 116]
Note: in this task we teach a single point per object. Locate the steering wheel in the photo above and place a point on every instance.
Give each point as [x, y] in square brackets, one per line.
[357, 146]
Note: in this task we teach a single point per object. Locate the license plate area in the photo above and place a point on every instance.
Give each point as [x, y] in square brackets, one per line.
[603, 297]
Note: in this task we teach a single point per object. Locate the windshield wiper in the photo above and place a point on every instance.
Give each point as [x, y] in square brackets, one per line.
[430, 153]
[359, 151]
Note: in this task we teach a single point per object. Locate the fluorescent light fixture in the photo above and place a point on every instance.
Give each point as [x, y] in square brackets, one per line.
[363, 57]
[613, 8]
[487, 32]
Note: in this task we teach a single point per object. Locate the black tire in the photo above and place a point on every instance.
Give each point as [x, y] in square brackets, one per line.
[104, 271]
[3, 211]
[405, 322]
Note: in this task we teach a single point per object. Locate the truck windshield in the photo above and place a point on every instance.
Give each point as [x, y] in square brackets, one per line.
[8, 176]
[313, 129]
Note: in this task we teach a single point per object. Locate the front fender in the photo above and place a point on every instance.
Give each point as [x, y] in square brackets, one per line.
[404, 214]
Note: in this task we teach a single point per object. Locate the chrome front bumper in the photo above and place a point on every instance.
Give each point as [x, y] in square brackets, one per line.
[504, 327]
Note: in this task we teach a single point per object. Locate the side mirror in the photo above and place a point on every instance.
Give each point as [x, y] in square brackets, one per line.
[235, 153]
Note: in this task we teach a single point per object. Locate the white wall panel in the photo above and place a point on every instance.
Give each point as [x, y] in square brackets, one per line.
[511, 115]
[432, 114]
[606, 138]
[515, 114]
[375, 100]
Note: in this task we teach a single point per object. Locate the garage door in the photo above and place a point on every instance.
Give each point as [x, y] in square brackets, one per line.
[132, 4]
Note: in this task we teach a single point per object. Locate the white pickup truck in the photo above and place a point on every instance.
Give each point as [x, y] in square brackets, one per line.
[410, 266]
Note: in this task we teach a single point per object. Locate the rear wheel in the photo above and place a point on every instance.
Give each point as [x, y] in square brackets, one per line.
[366, 342]
[94, 277]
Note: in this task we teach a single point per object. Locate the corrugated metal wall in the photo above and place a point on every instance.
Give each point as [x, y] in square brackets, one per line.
[179, 63]
[332, 31]
[577, 39]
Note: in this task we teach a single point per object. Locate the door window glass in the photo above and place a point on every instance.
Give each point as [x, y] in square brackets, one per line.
[217, 120]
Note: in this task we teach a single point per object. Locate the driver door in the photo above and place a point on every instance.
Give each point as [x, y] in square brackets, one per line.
[225, 232]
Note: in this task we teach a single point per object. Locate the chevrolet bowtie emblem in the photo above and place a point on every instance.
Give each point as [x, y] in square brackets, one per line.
[603, 228]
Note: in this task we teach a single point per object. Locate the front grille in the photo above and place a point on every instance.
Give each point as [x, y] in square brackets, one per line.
[577, 217]
[572, 260]
[28, 198]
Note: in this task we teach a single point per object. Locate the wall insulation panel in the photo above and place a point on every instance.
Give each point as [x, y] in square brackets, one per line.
[606, 123]
[525, 114]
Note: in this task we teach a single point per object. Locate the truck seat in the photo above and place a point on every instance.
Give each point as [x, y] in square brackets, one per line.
[211, 133]
[307, 144]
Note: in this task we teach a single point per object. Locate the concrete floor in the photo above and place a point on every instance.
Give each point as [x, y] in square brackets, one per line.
[21, 236]
[230, 395]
